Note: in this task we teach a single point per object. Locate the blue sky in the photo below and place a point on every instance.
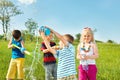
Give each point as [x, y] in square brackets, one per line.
[71, 16]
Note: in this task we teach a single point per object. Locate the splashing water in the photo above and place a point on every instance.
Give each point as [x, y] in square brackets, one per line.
[36, 56]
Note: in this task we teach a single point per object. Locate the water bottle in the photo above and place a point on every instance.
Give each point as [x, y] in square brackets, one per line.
[45, 30]
[84, 63]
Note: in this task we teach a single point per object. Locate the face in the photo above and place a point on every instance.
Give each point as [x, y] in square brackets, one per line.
[17, 39]
[87, 37]
[61, 44]
[50, 37]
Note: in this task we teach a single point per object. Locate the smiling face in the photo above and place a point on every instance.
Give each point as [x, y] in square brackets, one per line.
[87, 36]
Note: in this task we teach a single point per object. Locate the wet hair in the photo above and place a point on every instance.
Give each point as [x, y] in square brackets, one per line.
[16, 34]
[70, 38]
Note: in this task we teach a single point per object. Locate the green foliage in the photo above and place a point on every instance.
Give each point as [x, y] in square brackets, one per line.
[98, 41]
[107, 63]
[110, 41]
[7, 10]
[31, 26]
[78, 36]
[1, 36]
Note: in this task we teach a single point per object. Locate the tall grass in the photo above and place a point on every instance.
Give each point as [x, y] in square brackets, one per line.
[107, 63]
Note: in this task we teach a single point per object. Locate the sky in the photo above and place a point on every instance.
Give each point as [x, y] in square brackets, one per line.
[71, 16]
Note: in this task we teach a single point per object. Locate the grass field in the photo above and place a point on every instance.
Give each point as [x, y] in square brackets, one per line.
[108, 62]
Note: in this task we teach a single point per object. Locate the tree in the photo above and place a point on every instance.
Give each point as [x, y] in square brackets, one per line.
[7, 10]
[31, 26]
[110, 41]
[78, 36]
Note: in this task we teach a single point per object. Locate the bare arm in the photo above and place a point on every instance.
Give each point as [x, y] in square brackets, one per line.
[10, 44]
[49, 48]
[78, 53]
[59, 37]
[54, 47]
[45, 50]
[22, 43]
[95, 51]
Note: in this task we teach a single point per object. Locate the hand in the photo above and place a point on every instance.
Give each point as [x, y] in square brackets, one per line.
[12, 46]
[22, 49]
[86, 57]
[41, 29]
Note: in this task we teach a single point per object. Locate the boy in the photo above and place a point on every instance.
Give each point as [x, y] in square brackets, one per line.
[17, 60]
[49, 59]
[66, 56]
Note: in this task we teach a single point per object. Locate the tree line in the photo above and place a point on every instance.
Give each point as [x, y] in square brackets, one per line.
[9, 10]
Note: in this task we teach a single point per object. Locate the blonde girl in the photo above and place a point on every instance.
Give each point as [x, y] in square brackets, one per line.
[87, 52]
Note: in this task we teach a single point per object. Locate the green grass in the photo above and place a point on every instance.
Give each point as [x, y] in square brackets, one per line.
[107, 63]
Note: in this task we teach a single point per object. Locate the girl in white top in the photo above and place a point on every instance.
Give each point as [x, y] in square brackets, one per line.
[87, 52]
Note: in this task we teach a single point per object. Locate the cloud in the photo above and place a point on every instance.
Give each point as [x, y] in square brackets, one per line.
[27, 1]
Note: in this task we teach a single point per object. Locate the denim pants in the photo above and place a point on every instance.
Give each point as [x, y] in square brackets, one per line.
[51, 71]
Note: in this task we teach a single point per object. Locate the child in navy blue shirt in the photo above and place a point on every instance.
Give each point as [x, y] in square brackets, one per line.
[17, 60]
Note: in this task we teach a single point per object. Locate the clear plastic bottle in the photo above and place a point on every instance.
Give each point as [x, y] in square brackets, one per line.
[84, 63]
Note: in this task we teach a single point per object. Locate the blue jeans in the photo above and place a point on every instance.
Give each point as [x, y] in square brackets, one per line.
[50, 70]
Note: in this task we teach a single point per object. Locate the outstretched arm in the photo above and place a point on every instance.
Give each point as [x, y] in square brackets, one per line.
[59, 36]
[49, 48]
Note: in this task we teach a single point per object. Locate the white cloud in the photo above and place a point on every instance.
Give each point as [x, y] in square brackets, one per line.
[27, 1]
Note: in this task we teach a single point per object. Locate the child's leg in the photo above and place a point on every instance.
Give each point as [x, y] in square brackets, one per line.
[47, 72]
[20, 66]
[54, 71]
[82, 74]
[12, 70]
[92, 71]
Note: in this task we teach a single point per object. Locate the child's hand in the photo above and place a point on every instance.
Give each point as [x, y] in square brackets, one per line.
[86, 57]
[41, 29]
[12, 46]
[22, 49]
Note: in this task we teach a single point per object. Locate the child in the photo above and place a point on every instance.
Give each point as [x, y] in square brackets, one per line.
[17, 60]
[49, 59]
[87, 53]
[66, 56]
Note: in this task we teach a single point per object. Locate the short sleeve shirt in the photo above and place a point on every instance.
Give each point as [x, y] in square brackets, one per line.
[66, 61]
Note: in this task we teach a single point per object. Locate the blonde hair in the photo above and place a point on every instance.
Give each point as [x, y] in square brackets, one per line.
[87, 31]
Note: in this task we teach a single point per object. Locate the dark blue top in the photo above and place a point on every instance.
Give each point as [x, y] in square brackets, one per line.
[16, 53]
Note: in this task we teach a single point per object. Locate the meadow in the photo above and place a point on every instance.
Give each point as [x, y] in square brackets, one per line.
[108, 63]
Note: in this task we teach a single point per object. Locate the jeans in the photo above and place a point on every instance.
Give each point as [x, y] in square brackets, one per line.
[51, 71]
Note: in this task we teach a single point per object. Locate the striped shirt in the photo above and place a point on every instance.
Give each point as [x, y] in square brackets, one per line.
[66, 61]
[48, 57]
